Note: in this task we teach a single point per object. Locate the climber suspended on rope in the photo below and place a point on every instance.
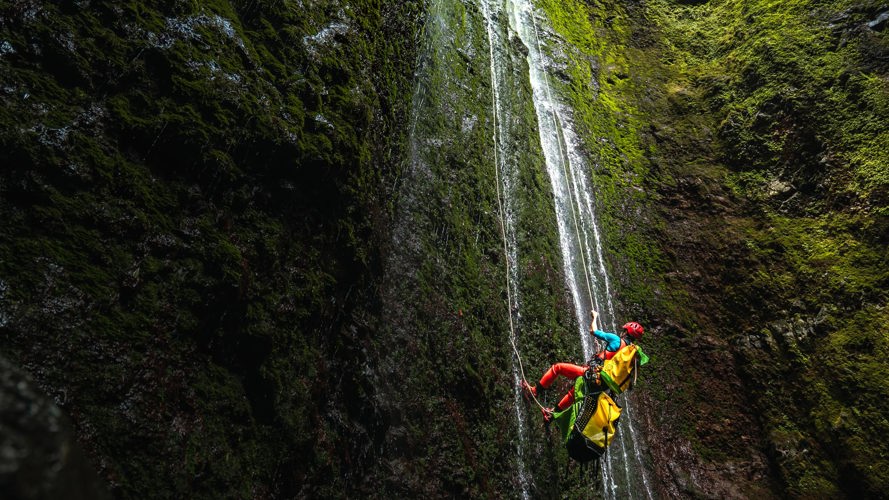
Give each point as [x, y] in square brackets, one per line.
[587, 415]
[632, 331]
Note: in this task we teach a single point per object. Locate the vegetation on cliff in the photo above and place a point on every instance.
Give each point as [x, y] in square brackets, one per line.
[797, 96]
[744, 184]
[252, 248]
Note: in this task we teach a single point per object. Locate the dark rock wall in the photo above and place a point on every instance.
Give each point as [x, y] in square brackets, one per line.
[39, 454]
[219, 259]
[193, 199]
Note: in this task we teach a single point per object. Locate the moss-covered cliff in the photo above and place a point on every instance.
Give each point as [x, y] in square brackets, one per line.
[192, 203]
[743, 181]
[794, 97]
[253, 249]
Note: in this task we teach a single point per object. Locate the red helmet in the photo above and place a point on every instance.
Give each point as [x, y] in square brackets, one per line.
[634, 330]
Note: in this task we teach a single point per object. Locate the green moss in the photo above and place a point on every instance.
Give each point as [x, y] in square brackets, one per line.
[791, 106]
[745, 136]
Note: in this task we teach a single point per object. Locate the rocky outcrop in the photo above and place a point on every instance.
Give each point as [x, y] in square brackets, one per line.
[40, 458]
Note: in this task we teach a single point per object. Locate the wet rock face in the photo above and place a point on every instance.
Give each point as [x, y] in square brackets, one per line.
[198, 201]
[763, 238]
[39, 456]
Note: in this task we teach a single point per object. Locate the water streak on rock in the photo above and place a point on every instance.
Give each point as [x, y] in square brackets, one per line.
[579, 236]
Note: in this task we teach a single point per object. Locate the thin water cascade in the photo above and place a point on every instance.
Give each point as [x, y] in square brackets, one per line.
[624, 475]
[506, 173]
[453, 29]
[437, 100]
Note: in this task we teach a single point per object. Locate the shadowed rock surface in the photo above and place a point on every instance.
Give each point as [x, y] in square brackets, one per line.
[40, 458]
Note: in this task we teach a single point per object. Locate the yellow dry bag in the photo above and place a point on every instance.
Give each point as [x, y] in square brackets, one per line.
[601, 426]
[618, 373]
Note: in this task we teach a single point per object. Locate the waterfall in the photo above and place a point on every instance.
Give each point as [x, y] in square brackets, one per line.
[456, 31]
[585, 273]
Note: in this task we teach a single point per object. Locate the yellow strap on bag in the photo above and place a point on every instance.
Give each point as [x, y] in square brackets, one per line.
[601, 427]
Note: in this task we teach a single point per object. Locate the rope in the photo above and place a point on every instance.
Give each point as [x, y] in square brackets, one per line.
[563, 157]
[502, 217]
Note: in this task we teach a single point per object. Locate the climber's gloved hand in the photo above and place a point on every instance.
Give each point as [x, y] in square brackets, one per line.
[531, 389]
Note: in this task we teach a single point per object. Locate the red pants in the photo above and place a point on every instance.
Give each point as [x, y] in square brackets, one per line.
[566, 370]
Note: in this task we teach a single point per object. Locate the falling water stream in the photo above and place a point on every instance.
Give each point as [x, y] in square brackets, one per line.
[505, 170]
[440, 97]
[568, 168]
[624, 472]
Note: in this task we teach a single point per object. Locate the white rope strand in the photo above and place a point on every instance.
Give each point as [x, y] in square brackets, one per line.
[564, 159]
[502, 218]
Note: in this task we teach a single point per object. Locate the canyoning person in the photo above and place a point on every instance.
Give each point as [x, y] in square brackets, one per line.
[632, 332]
[587, 415]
